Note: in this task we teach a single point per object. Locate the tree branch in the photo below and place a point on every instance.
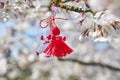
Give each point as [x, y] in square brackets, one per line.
[62, 5]
[91, 63]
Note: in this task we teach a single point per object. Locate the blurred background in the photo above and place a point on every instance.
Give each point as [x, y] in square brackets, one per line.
[19, 39]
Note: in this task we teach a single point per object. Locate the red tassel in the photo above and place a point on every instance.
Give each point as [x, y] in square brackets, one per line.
[55, 43]
[57, 46]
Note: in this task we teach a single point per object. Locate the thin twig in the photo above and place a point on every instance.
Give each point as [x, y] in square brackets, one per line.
[91, 64]
[62, 5]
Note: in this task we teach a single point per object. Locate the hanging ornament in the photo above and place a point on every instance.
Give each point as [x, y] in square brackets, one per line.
[57, 47]
[53, 44]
